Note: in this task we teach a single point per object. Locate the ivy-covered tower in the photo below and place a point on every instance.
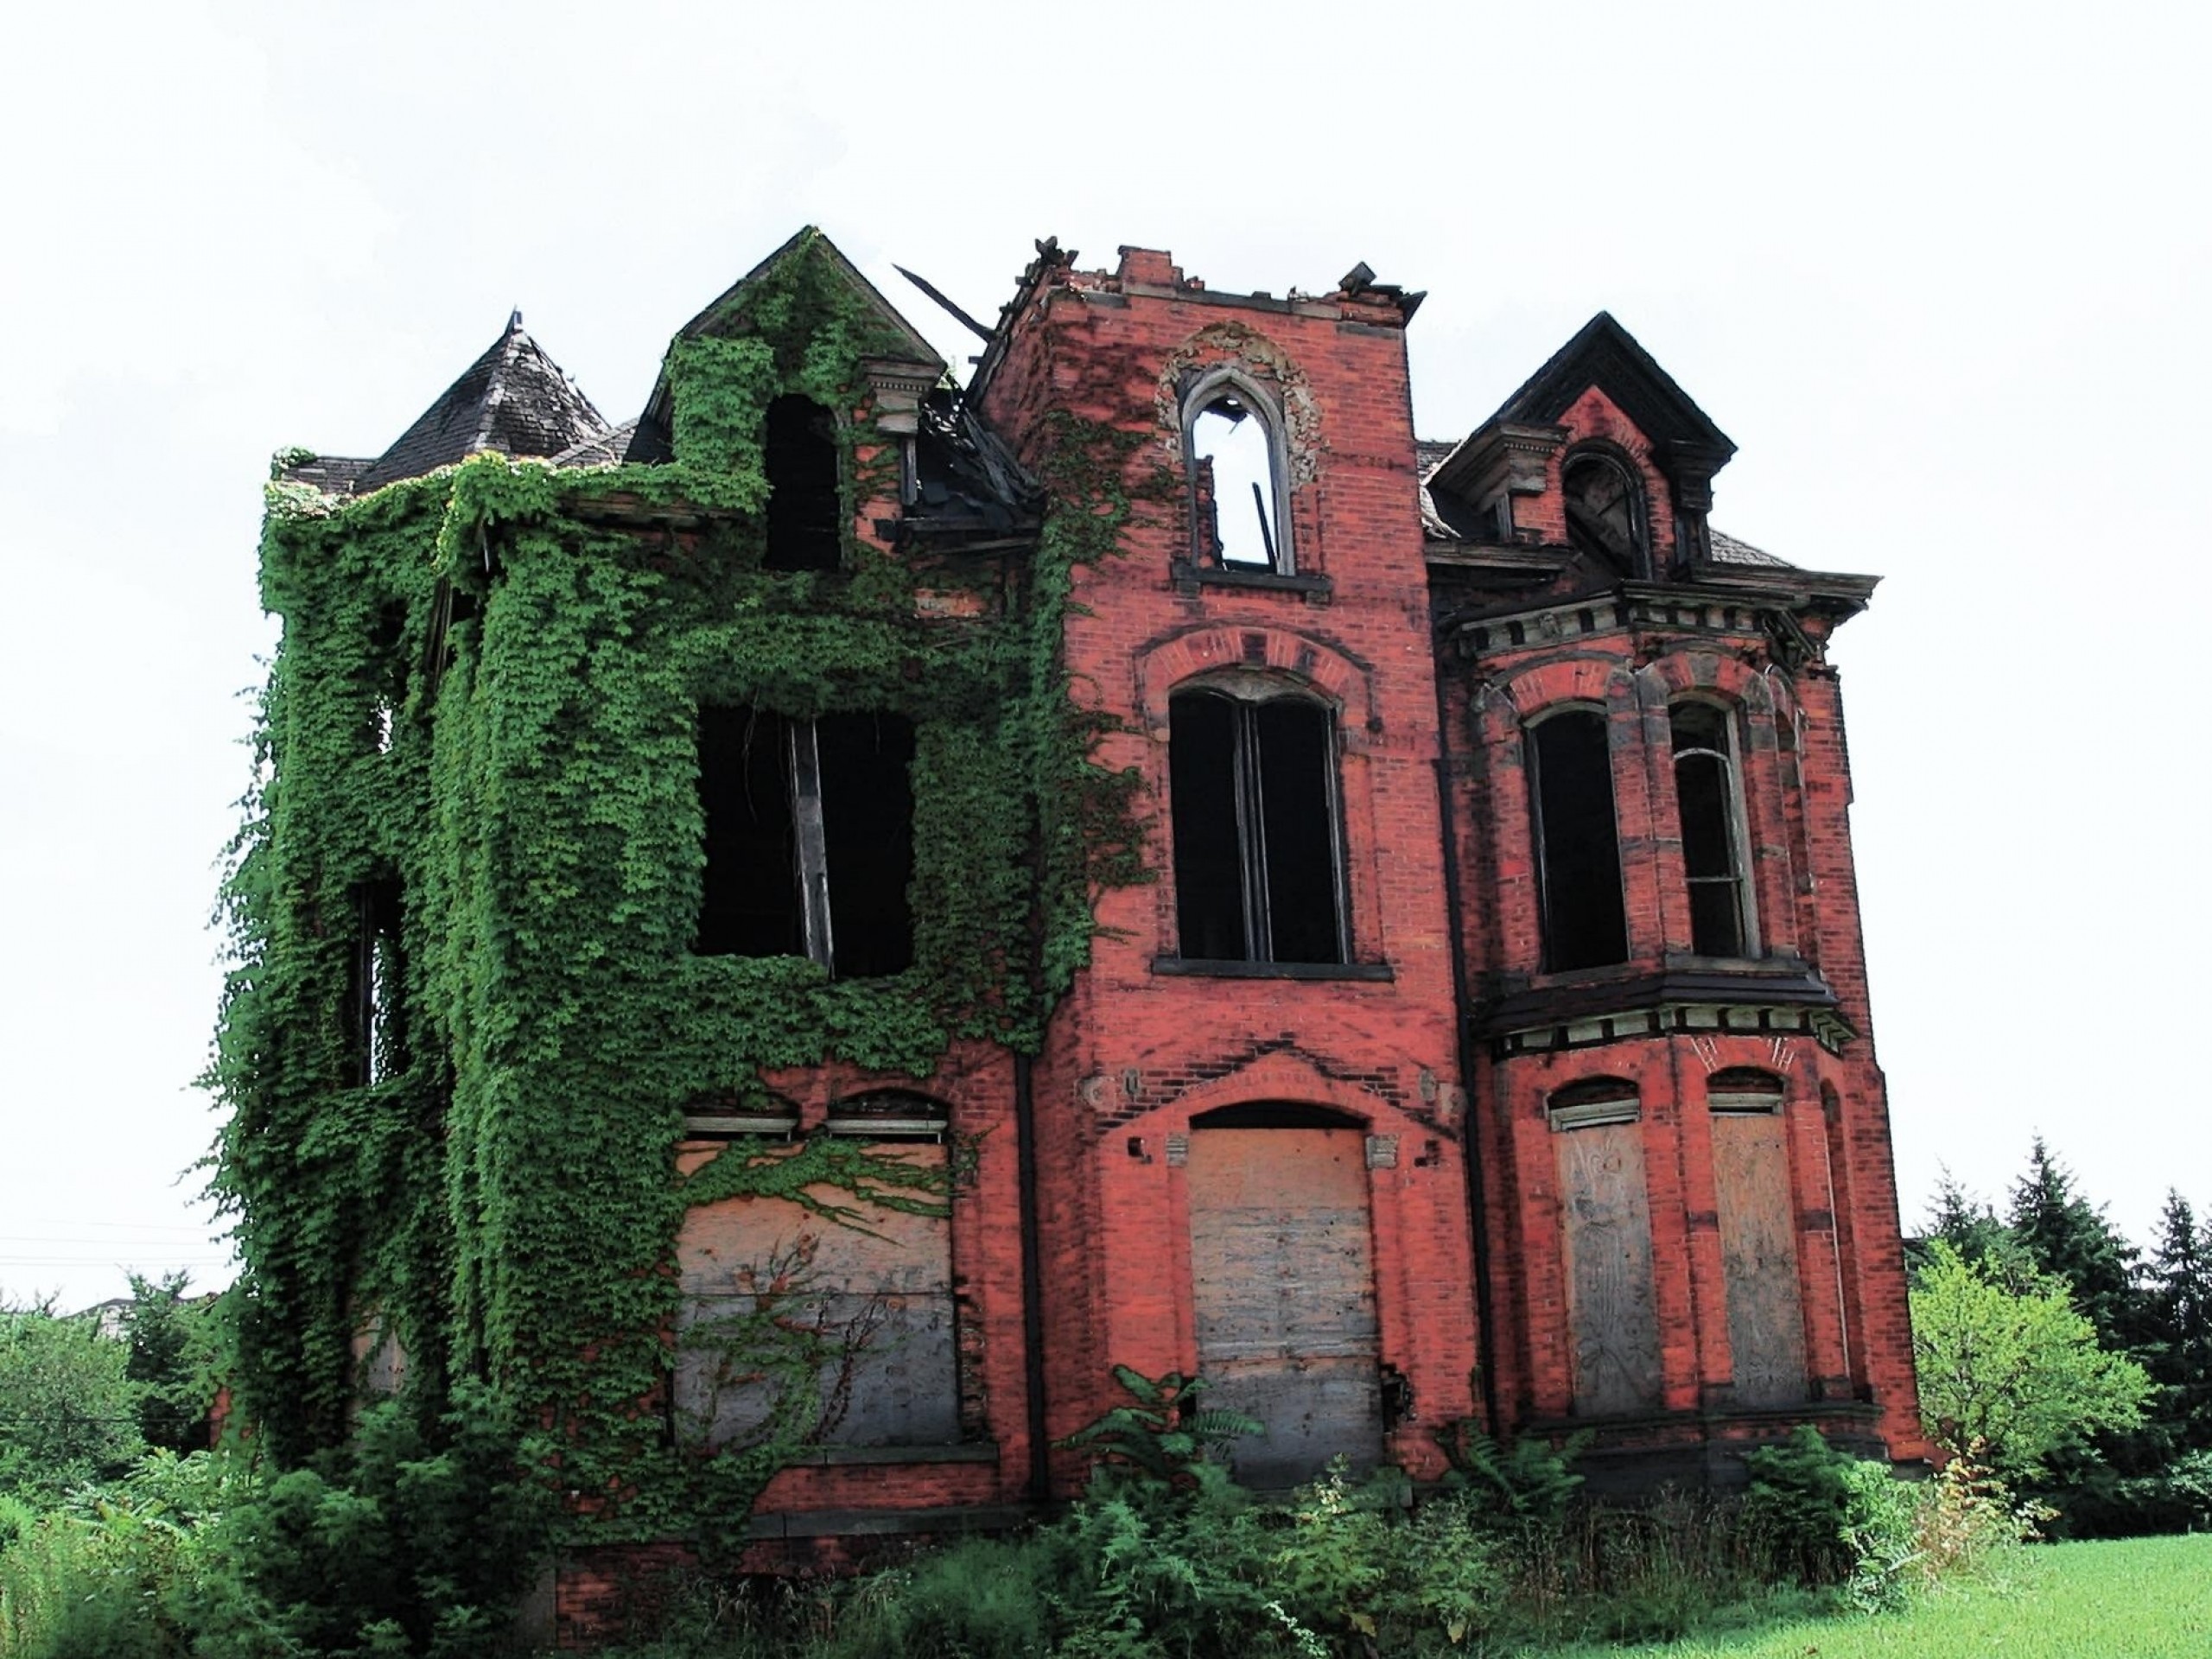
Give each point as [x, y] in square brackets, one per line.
[790, 936]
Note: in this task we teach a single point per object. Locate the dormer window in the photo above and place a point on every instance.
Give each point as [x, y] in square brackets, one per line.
[1233, 448]
[1604, 511]
[805, 509]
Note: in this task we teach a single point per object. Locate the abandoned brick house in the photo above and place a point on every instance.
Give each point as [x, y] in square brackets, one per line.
[1160, 867]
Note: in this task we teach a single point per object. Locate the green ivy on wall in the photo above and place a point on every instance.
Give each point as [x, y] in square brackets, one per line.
[506, 1201]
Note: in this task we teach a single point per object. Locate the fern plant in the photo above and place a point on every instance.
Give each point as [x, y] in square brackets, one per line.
[1166, 1436]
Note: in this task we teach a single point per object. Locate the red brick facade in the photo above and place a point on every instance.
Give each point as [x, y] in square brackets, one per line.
[1438, 608]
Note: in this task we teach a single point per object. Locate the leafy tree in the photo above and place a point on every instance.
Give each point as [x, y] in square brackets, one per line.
[69, 1412]
[2009, 1378]
[2071, 1239]
[170, 1345]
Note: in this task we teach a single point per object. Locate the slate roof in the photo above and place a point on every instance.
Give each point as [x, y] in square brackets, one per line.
[1726, 550]
[514, 399]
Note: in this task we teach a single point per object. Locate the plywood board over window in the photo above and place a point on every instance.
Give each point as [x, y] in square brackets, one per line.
[855, 1316]
[1758, 1248]
[1284, 1289]
[1606, 1228]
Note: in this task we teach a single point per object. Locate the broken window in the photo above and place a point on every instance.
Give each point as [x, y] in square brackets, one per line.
[1236, 481]
[1258, 863]
[375, 1030]
[832, 1323]
[1577, 845]
[1711, 808]
[1605, 510]
[805, 508]
[809, 838]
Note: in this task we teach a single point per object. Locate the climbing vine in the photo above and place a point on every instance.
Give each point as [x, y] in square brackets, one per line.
[485, 700]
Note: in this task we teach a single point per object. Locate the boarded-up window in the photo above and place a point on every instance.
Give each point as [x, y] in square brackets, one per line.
[840, 1332]
[1758, 1240]
[1284, 1291]
[1578, 842]
[1605, 1227]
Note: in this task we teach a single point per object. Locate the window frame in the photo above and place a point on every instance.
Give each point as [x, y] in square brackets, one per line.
[1247, 694]
[1547, 924]
[1738, 826]
[809, 836]
[1600, 454]
[1208, 389]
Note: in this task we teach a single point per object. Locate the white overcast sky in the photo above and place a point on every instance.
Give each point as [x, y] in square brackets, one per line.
[1939, 270]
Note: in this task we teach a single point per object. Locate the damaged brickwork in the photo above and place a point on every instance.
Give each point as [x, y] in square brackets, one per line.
[794, 934]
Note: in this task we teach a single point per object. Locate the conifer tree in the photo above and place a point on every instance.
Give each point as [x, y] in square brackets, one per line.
[2180, 1318]
[2069, 1238]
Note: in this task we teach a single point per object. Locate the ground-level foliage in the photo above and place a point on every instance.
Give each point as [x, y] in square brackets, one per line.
[1159, 1566]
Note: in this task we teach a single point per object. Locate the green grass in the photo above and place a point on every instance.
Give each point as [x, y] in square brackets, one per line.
[2131, 1598]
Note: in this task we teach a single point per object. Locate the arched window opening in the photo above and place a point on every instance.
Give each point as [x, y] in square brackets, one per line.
[1259, 867]
[1711, 807]
[1235, 482]
[809, 838]
[1578, 844]
[805, 511]
[1604, 511]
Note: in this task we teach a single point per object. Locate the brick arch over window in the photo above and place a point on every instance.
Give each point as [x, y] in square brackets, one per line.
[1162, 665]
[1260, 662]
[1262, 363]
[1237, 463]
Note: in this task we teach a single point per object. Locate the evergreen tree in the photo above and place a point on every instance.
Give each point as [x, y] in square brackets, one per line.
[1969, 1224]
[2180, 1319]
[169, 1341]
[2069, 1238]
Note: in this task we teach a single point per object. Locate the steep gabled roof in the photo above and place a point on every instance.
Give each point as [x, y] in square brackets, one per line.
[1605, 355]
[514, 399]
[727, 314]
[724, 316]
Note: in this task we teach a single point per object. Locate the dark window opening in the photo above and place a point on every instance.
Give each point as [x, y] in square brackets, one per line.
[1705, 791]
[867, 823]
[809, 838]
[1258, 870]
[752, 906]
[1235, 495]
[1604, 511]
[805, 509]
[376, 1033]
[1578, 845]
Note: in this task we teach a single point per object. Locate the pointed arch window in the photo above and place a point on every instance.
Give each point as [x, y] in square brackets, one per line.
[1709, 798]
[1232, 441]
[1577, 842]
[1259, 859]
